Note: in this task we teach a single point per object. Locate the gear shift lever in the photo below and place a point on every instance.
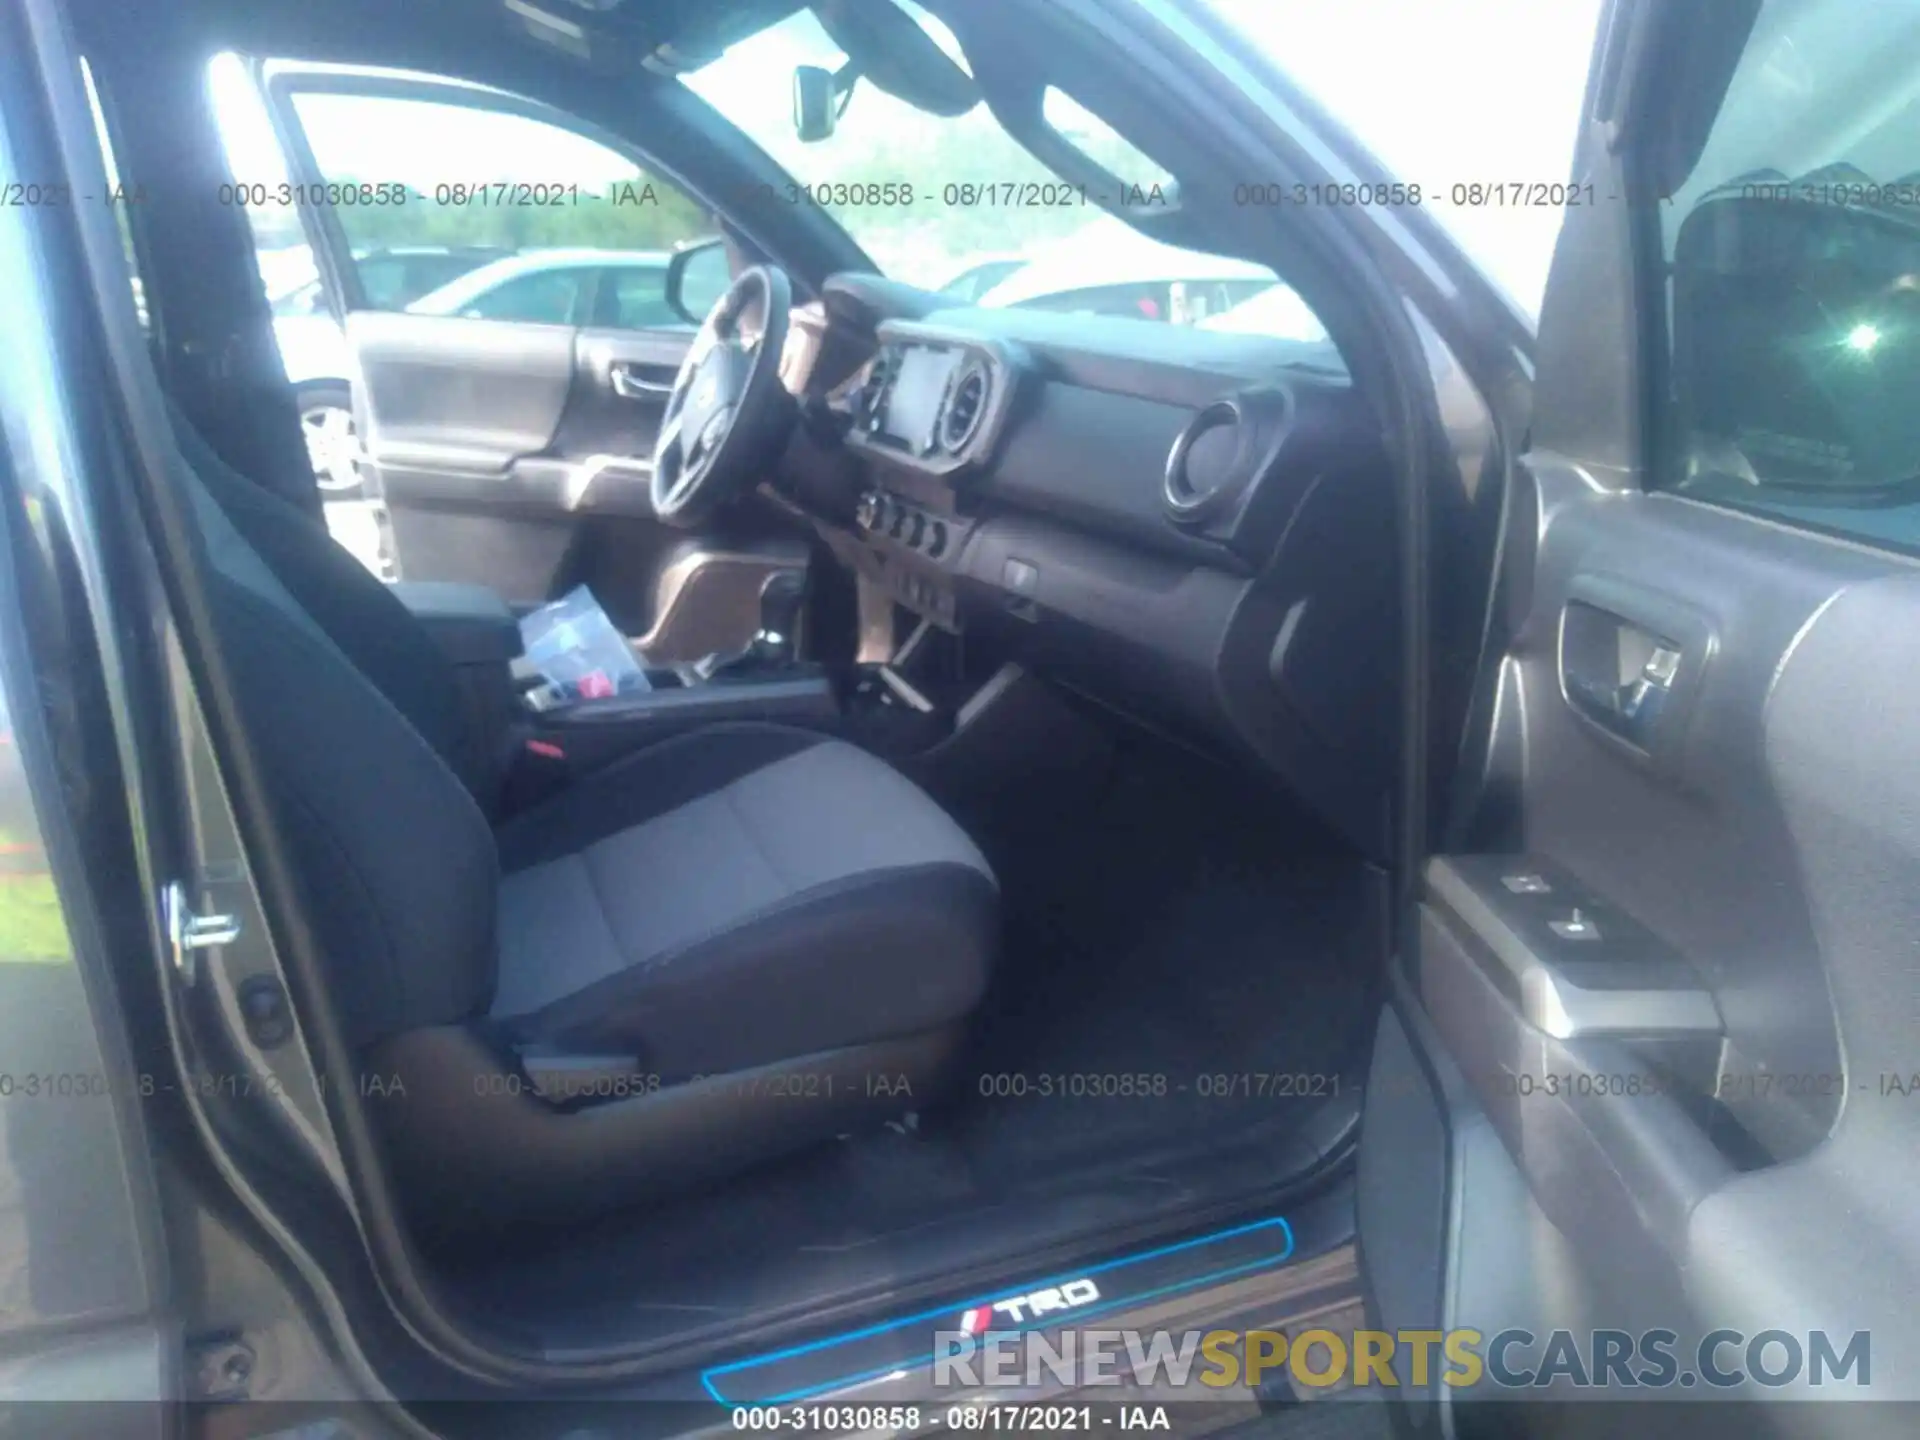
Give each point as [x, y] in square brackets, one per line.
[774, 645]
[780, 600]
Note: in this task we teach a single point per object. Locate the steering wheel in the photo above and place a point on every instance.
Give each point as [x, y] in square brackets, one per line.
[728, 409]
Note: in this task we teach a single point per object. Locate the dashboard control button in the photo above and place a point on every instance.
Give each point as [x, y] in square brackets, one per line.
[916, 530]
[937, 539]
[866, 513]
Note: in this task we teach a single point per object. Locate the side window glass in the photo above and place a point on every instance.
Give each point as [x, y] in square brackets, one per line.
[384, 280]
[540, 297]
[1793, 251]
[639, 298]
[431, 195]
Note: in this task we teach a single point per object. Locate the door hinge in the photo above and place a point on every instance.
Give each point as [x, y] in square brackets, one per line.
[189, 931]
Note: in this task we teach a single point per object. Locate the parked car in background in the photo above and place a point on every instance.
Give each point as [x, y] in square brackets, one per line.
[391, 279]
[982, 273]
[623, 289]
[1109, 268]
[1277, 310]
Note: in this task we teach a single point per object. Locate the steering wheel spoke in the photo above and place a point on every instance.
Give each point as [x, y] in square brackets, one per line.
[704, 339]
[668, 435]
[685, 478]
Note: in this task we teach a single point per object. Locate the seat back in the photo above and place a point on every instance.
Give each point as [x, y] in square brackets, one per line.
[396, 861]
[355, 609]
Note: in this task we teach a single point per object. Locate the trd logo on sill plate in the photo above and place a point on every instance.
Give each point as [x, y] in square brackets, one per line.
[1021, 1308]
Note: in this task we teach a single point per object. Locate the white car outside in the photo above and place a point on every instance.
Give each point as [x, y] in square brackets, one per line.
[1276, 311]
[1108, 267]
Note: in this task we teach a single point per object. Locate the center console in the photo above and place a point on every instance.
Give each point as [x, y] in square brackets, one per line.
[525, 745]
[765, 680]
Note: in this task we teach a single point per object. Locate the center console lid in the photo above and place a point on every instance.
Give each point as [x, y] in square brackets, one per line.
[470, 623]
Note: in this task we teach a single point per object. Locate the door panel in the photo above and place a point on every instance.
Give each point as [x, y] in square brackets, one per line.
[1671, 968]
[1701, 845]
[1694, 1097]
[621, 380]
[494, 444]
[458, 396]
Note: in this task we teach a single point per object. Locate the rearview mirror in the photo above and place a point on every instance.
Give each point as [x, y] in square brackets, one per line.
[817, 101]
[697, 276]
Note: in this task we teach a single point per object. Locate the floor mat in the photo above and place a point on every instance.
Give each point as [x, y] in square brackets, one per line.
[1198, 961]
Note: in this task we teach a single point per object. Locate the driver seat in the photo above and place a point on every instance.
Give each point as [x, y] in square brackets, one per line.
[732, 945]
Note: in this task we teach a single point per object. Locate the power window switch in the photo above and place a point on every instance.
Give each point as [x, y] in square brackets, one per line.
[1575, 927]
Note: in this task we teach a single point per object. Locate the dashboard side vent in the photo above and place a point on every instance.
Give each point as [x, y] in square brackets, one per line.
[966, 408]
[1204, 464]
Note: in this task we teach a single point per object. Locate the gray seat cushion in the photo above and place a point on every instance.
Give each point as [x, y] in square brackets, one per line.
[735, 897]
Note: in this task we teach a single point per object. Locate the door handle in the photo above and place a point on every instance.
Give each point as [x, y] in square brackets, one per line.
[1629, 668]
[1650, 690]
[1634, 703]
[628, 383]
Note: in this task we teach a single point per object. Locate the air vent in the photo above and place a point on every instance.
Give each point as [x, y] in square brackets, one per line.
[966, 407]
[1204, 464]
[873, 394]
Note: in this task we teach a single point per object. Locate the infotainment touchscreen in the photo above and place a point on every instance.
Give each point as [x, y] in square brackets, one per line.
[913, 399]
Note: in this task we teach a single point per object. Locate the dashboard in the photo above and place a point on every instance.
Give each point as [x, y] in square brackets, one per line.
[1191, 528]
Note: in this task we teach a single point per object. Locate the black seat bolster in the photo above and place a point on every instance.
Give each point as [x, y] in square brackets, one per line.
[397, 863]
[357, 611]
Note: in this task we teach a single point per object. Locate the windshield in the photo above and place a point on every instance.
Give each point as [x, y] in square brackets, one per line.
[1437, 104]
[956, 204]
[920, 167]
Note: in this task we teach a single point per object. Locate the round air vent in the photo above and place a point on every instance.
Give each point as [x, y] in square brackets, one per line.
[966, 408]
[1204, 464]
